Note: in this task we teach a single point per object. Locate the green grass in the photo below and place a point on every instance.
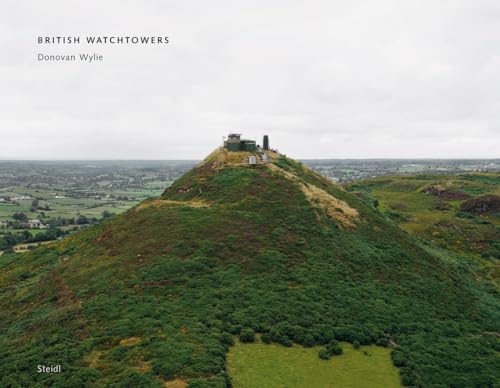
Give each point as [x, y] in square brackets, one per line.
[260, 365]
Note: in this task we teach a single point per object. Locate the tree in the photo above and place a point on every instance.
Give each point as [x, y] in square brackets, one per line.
[20, 216]
[82, 220]
[34, 205]
[107, 214]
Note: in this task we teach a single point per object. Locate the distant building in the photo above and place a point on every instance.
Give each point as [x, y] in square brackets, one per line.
[235, 143]
[36, 224]
[21, 198]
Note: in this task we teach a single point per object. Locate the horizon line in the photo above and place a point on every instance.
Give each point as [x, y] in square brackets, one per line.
[194, 160]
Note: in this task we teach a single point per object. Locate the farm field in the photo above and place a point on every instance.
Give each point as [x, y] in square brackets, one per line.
[66, 196]
[458, 212]
[256, 365]
[20, 248]
[66, 207]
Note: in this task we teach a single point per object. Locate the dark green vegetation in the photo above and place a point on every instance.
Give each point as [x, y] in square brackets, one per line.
[332, 349]
[9, 240]
[157, 293]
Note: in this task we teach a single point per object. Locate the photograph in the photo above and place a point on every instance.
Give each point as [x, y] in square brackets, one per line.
[250, 194]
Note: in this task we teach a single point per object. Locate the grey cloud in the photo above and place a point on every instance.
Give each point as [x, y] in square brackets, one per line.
[324, 79]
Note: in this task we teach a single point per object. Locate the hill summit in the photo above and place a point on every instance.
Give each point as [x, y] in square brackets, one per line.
[241, 244]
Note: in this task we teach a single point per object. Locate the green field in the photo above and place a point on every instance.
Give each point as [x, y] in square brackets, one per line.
[67, 207]
[260, 365]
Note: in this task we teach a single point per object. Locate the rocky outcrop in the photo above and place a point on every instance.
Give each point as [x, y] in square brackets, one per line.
[489, 203]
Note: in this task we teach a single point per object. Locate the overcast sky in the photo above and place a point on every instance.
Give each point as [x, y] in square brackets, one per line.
[324, 79]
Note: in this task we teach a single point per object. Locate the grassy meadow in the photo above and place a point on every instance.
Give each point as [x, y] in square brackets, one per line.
[255, 365]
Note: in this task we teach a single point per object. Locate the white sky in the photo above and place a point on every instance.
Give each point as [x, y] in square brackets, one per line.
[324, 79]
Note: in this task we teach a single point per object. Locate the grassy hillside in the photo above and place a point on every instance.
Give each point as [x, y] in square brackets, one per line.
[156, 294]
[458, 212]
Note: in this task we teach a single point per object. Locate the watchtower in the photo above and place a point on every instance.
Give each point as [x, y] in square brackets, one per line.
[265, 143]
[235, 143]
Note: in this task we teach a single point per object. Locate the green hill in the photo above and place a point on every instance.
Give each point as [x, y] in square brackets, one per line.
[157, 294]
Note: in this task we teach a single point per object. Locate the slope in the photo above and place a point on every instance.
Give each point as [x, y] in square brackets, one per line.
[456, 212]
[157, 293]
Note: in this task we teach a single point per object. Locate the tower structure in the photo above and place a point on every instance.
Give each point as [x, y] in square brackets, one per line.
[235, 143]
[265, 143]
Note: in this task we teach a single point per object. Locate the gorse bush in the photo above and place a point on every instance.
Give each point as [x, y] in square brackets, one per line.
[247, 335]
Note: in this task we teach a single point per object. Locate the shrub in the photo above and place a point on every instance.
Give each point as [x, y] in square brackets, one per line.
[398, 358]
[165, 370]
[408, 378]
[235, 329]
[247, 335]
[227, 339]
[266, 338]
[323, 354]
[382, 341]
[285, 341]
[308, 340]
[134, 379]
[356, 345]
[333, 348]
[118, 353]
[278, 334]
